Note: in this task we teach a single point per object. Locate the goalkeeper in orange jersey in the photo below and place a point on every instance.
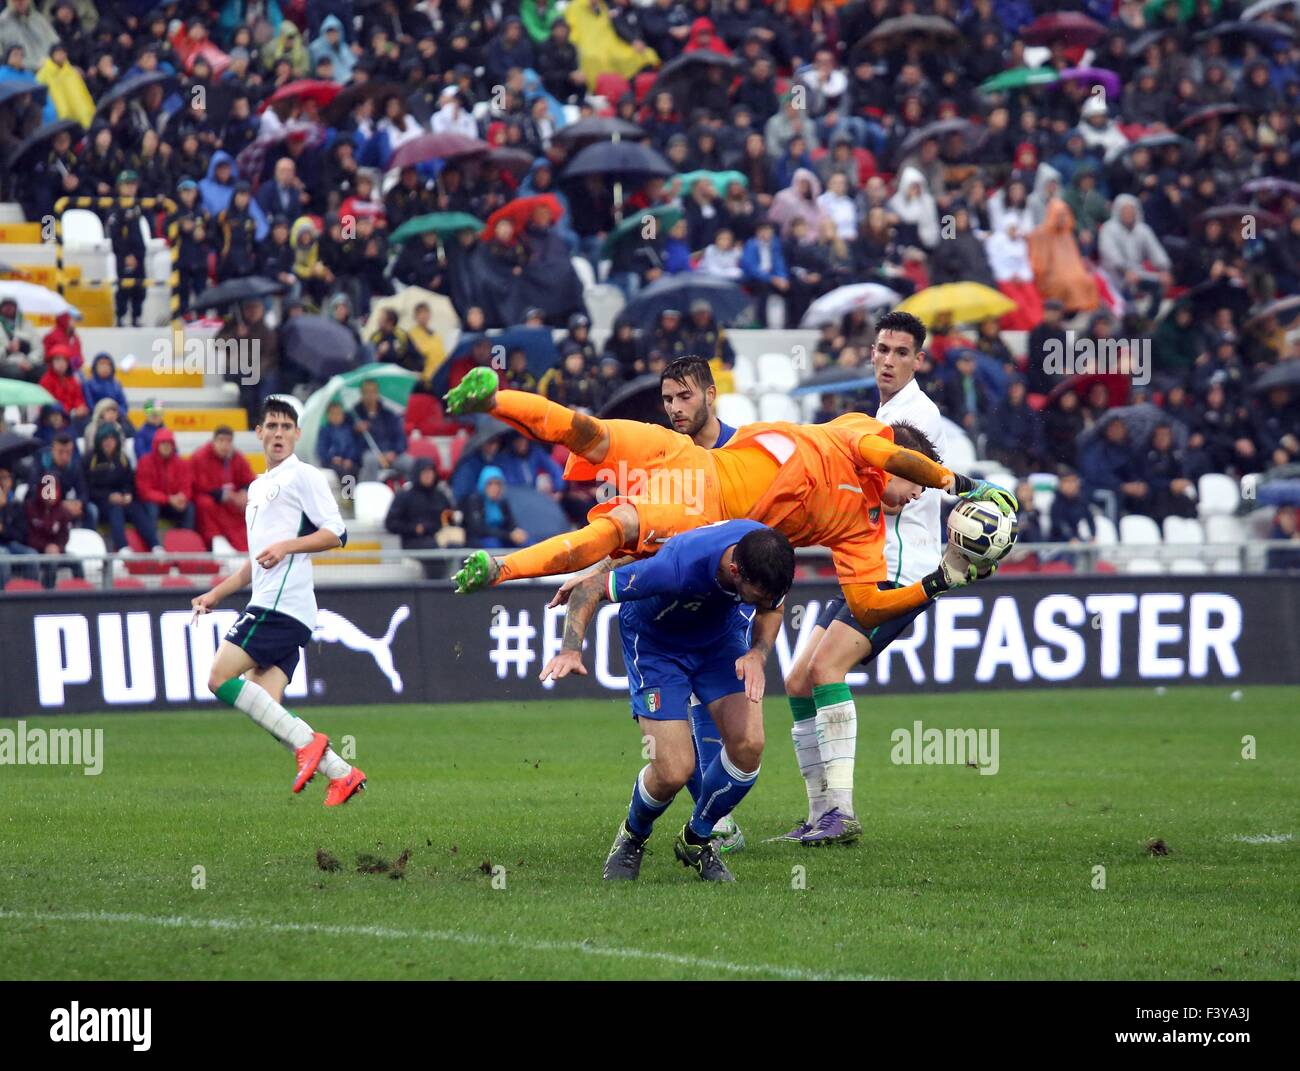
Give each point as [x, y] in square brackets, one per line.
[819, 485]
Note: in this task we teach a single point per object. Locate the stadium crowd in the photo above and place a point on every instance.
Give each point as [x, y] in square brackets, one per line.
[1137, 188]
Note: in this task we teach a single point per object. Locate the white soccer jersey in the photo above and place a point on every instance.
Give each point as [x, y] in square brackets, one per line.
[912, 543]
[289, 501]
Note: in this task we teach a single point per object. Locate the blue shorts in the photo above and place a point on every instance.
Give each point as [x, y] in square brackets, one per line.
[661, 679]
[882, 635]
[270, 638]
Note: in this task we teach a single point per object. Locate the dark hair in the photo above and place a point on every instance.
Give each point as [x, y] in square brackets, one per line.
[766, 558]
[278, 405]
[910, 437]
[62, 437]
[688, 369]
[902, 321]
[223, 429]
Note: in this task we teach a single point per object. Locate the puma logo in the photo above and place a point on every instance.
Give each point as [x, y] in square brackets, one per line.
[335, 628]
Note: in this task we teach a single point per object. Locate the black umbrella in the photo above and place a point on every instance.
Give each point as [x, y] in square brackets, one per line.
[1275, 308]
[11, 91]
[598, 129]
[1146, 40]
[1238, 213]
[42, 137]
[1267, 35]
[928, 31]
[1140, 420]
[639, 399]
[1271, 187]
[341, 106]
[130, 88]
[619, 159]
[1154, 142]
[1285, 374]
[319, 346]
[679, 76]
[516, 161]
[233, 291]
[486, 429]
[1214, 294]
[15, 447]
[726, 299]
[1210, 111]
[940, 129]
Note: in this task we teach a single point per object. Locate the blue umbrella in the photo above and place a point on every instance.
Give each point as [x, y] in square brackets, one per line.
[536, 342]
[725, 298]
[835, 381]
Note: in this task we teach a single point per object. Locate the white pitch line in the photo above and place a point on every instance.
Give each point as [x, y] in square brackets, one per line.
[449, 936]
[1264, 838]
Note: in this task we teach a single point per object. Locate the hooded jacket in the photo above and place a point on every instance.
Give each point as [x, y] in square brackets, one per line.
[1123, 249]
[417, 505]
[1059, 270]
[287, 42]
[485, 518]
[68, 91]
[104, 475]
[156, 479]
[919, 211]
[65, 335]
[215, 196]
[790, 204]
[344, 60]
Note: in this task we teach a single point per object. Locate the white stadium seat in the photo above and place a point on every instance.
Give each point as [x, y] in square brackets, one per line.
[604, 303]
[958, 452]
[776, 372]
[1136, 529]
[1224, 529]
[1107, 535]
[736, 409]
[86, 542]
[82, 229]
[778, 407]
[746, 374]
[372, 501]
[1144, 566]
[1043, 499]
[1218, 494]
[1188, 567]
[1183, 531]
[582, 266]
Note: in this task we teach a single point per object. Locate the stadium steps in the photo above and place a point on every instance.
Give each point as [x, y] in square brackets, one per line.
[190, 417]
[11, 212]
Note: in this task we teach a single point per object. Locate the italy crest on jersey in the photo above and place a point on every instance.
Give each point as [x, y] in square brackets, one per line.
[652, 701]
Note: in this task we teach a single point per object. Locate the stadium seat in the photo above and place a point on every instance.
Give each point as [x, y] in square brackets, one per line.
[1218, 494]
[745, 373]
[87, 543]
[83, 229]
[776, 372]
[736, 410]
[372, 501]
[1135, 529]
[180, 582]
[1221, 528]
[425, 448]
[1003, 479]
[182, 540]
[1182, 531]
[147, 565]
[1043, 499]
[1107, 534]
[74, 583]
[604, 303]
[587, 276]
[21, 583]
[778, 407]
[958, 451]
[129, 582]
[1188, 567]
[1058, 565]
[1144, 567]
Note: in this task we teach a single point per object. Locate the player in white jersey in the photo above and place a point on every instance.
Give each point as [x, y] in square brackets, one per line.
[825, 726]
[291, 514]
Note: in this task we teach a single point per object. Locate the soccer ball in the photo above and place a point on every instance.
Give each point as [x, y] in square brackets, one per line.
[981, 531]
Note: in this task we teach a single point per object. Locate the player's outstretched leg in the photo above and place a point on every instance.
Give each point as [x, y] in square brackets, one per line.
[837, 731]
[564, 553]
[530, 413]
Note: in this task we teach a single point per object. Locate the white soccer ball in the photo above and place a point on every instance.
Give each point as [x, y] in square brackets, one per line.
[981, 531]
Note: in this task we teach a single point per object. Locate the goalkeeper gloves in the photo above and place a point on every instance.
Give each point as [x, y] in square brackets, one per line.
[955, 571]
[983, 491]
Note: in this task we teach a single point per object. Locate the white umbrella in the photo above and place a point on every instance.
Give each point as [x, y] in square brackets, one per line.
[36, 300]
[831, 307]
[1255, 10]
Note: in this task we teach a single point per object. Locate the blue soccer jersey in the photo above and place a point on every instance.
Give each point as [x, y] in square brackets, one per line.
[725, 432]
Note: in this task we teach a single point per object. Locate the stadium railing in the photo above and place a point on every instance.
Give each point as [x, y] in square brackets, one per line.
[106, 571]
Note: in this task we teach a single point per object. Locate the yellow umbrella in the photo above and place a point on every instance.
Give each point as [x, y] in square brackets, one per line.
[442, 314]
[964, 302]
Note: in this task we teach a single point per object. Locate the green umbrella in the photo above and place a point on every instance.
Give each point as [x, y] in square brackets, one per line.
[721, 180]
[665, 215]
[1019, 78]
[1186, 9]
[395, 385]
[439, 223]
[20, 392]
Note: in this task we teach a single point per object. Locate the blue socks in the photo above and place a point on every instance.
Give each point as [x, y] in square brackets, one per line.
[708, 745]
[723, 789]
[644, 808]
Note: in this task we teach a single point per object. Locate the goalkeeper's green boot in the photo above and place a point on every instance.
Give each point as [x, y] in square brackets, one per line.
[476, 393]
[479, 571]
[704, 859]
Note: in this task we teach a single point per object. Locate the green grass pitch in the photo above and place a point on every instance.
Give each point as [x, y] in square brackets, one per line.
[959, 875]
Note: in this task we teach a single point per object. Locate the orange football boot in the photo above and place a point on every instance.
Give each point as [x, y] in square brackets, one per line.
[343, 789]
[309, 757]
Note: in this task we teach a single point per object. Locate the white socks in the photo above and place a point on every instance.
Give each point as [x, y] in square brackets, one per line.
[288, 728]
[837, 733]
[808, 754]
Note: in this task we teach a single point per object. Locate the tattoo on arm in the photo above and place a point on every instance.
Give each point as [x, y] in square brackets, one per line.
[582, 605]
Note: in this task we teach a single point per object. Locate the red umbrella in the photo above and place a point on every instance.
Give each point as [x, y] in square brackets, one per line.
[437, 147]
[521, 211]
[1067, 27]
[306, 89]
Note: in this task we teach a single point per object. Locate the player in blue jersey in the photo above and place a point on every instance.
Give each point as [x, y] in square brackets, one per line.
[687, 630]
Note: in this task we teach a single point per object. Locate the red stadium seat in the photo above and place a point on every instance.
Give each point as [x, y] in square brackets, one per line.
[129, 582]
[180, 582]
[1058, 566]
[149, 566]
[73, 583]
[20, 583]
[179, 540]
[611, 86]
